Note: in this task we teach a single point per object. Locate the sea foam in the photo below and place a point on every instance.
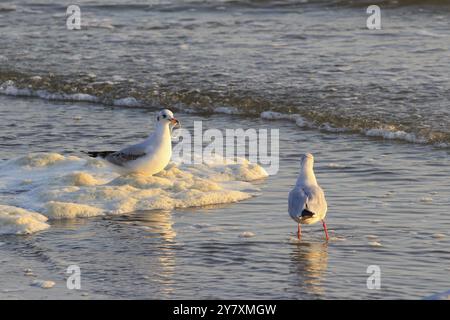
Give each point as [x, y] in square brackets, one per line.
[388, 132]
[14, 220]
[127, 102]
[55, 186]
[9, 88]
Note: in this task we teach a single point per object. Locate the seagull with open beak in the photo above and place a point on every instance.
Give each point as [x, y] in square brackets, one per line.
[148, 157]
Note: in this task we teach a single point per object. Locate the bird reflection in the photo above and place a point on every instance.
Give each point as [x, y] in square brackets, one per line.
[157, 223]
[160, 224]
[159, 248]
[310, 262]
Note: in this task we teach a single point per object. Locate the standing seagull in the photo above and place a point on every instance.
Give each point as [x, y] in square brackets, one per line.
[307, 203]
[148, 157]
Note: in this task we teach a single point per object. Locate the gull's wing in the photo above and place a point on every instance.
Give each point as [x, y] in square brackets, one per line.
[125, 155]
[95, 154]
[316, 202]
[308, 198]
[297, 201]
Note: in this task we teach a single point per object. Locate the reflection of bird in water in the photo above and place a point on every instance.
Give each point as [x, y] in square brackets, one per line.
[310, 262]
[158, 224]
[158, 254]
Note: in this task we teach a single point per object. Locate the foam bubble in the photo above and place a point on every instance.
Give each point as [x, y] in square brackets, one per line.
[246, 234]
[44, 284]
[426, 199]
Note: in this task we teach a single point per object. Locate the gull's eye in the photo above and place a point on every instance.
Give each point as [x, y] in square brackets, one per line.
[164, 116]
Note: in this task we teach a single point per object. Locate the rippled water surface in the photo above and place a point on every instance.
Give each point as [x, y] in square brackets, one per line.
[388, 204]
[371, 105]
[312, 58]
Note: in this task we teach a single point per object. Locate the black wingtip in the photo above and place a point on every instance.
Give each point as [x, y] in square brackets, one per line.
[307, 214]
[95, 154]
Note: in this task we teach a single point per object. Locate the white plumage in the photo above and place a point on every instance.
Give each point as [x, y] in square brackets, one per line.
[148, 157]
[307, 203]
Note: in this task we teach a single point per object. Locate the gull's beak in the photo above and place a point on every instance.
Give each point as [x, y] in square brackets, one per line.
[174, 121]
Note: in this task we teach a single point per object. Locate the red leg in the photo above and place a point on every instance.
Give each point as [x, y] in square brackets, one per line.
[299, 232]
[325, 229]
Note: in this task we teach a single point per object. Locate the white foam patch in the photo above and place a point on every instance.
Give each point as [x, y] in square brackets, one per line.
[44, 284]
[294, 240]
[246, 234]
[430, 34]
[329, 128]
[40, 160]
[272, 115]
[66, 187]
[90, 21]
[299, 120]
[426, 199]
[67, 210]
[9, 88]
[337, 238]
[127, 102]
[336, 165]
[227, 110]
[374, 244]
[391, 133]
[14, 220]
[385, 132]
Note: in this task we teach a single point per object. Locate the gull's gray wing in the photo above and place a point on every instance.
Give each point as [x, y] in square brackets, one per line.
[125, 155]
[311, 199]
[316, 202]
[297, 200]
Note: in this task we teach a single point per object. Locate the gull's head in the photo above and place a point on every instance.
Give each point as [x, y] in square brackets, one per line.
[307, 160]
[165, 116]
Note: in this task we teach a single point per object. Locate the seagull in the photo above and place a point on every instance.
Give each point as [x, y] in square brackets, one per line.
[307, 203]
[148, 157]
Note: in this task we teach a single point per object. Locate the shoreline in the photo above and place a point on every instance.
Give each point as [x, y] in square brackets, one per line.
[386, 132]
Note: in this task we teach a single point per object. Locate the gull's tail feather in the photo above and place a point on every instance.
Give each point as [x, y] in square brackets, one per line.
[101, 154]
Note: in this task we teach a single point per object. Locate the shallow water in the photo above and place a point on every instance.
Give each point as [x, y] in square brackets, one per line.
[379, 192]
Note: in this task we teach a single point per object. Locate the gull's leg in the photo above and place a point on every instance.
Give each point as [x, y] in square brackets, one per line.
[299, 232]
[325, 229]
